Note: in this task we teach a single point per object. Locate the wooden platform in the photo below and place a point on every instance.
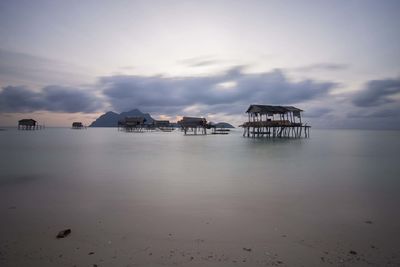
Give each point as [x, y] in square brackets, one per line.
[269, 131]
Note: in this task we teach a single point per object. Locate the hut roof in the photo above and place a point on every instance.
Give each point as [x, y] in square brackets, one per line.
[189, 121]
[161, 122]
[268, 109]
[135, 120]
[193, 119]
[26, 120]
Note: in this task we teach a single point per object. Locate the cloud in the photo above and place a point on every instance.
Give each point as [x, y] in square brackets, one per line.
[172, 95]
[20, 68]
[380, 112]
[204, 61]
[323, 66]
[377, 92]
[317, 112]
[50, 98]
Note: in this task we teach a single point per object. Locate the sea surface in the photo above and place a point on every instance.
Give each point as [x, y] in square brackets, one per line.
[165, 199]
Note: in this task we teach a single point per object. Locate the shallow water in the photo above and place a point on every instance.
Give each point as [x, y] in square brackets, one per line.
[133, 198]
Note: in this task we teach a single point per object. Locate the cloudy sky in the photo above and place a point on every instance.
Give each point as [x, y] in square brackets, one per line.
[62, 61]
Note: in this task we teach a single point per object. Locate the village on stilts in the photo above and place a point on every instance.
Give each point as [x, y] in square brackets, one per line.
[264, 121]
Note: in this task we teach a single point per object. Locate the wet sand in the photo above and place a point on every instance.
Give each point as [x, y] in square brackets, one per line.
[234, 232]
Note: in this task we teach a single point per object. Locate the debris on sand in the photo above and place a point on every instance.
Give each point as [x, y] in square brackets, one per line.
[353, 252]
[91, 253]
[64, 233]
[247, 249]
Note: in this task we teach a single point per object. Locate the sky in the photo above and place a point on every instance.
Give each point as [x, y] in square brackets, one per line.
[65, 61]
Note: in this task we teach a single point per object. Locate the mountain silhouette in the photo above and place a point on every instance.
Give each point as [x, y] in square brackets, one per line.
[223, 125]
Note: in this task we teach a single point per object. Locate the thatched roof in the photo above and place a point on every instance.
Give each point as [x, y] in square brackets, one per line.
[192, 121]
[268, 109]
[134, 121]
[27, 122]
[160, 123]
[77, 124]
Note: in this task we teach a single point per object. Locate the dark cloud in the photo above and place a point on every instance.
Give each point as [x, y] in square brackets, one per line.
[172, 95]
[50, 98]
[227, 93]
[377, 92]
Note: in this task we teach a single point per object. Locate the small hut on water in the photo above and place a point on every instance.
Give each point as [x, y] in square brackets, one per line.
[275, 121]
[78, 125]
[193, 125]
[28, 124]
[219, 128]
[132, 124]
[163, 125]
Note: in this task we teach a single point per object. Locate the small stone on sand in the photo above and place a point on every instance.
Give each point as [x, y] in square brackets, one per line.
[64, 233]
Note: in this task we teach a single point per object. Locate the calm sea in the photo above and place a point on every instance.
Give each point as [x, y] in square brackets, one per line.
[324, 196]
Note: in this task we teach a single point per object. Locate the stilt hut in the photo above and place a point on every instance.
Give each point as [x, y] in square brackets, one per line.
[219, 129]
[132, 124]
[163, 125]
[78, 125]
[193, 125]
[28, 124]
[275, 121]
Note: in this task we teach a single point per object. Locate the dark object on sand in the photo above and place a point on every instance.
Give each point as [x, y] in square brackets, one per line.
[353, 252]
[368, 222]
[63, 233]
[91, 253]
[247, 249]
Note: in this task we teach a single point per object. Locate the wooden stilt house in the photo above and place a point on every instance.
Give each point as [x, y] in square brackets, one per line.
[275, 121]
[132, 124]
[193, 125]
[28, 124]
[163, 125]
[78, 125]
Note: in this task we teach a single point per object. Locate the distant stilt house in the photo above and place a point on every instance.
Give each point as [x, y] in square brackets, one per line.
[193, 125]
[132, 124]
[28, 124]
[219, 130]
[78, 125]
[275, 121]
[163, 125]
